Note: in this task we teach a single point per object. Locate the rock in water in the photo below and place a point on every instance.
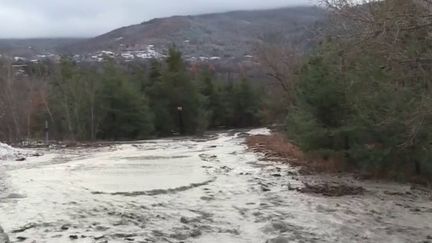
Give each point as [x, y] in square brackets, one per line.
[3, 236]
[73, 237]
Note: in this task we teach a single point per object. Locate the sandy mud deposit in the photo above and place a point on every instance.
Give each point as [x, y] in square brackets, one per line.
[194, 190]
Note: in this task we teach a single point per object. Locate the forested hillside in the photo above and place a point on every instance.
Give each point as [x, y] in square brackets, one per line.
[364, 95]
[300, 124]
[98, 91]
[360, 96]
[121, 101]
[224, 35]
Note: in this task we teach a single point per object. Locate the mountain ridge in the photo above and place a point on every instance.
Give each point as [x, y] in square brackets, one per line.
[232, 34]
[212, 34]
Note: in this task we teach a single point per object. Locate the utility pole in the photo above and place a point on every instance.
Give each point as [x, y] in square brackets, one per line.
[180, 118]
[46, 132]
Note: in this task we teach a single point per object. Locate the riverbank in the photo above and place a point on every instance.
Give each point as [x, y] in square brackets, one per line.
[327, 179]
[276, 147]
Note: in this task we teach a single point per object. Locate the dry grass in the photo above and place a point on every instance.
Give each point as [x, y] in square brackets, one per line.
[277, 147]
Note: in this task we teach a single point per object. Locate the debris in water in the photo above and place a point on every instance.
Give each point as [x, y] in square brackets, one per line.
[73, 237]
[24, 228]
[332, 190]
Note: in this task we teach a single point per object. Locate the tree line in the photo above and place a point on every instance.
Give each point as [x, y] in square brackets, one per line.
[363, 95]
[115, 101]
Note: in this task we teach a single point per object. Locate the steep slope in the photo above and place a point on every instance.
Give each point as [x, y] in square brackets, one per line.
[223, 35]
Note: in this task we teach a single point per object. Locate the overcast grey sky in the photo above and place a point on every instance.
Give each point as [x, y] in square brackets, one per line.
[85, 18]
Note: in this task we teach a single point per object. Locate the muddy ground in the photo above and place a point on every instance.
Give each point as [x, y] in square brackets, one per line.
[198, 190]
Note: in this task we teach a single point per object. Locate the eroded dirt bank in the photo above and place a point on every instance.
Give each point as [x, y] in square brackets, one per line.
[195, 190]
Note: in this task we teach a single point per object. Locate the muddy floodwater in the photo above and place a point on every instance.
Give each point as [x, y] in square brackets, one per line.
[194, 190]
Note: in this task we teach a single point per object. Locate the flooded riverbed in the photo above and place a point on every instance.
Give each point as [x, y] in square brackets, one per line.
[193, 190]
